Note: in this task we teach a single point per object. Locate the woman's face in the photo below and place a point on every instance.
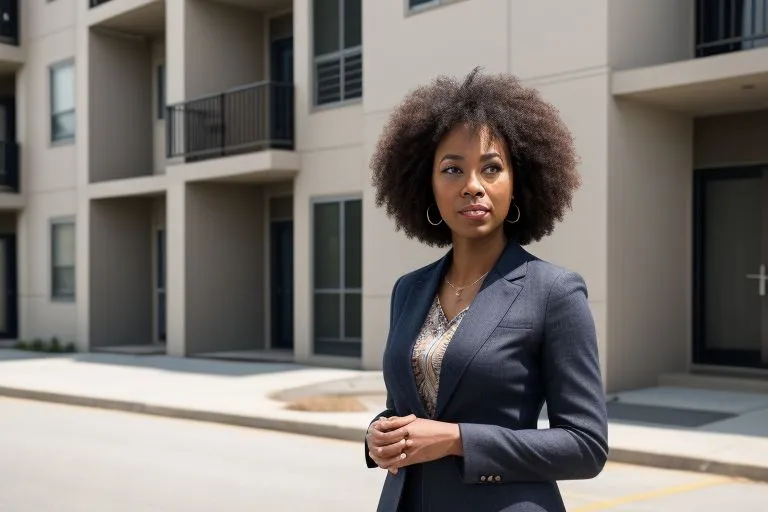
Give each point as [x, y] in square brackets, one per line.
[472, 182]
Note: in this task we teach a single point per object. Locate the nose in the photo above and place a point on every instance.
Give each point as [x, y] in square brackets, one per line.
[473, 186]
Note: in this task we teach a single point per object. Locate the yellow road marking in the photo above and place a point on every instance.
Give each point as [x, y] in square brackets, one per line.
[649, 495]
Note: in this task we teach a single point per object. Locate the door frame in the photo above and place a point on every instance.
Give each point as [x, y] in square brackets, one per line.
[11, 291]
[268, 196]
[701, 356]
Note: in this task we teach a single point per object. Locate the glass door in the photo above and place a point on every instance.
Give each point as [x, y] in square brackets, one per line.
[731, 267]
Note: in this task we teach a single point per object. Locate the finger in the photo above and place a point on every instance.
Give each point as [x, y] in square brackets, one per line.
[393, 436]
[392, 450]
[396, 422]
[382, 439]
[393, 461]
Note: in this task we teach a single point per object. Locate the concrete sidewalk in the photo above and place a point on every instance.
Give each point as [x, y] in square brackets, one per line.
[700, 430]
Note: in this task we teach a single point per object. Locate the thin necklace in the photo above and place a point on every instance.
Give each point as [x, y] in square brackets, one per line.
[460, 289]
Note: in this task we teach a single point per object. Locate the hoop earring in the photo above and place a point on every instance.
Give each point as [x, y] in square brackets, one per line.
[430, 220]
[518, 216]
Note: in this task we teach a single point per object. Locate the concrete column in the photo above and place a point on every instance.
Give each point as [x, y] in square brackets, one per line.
[23, 257]
[175, 68]
[82, 216]
[176, 214]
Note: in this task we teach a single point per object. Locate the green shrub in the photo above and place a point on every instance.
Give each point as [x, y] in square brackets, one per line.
[70, 347]
[38, 345]
[55, 345]
[21, 345]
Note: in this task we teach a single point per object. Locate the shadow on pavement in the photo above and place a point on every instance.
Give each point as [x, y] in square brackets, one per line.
[164, 363]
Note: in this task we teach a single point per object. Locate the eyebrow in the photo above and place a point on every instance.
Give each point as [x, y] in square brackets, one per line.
[487, 156]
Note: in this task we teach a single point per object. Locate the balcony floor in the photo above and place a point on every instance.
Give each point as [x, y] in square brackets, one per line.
[722, 84]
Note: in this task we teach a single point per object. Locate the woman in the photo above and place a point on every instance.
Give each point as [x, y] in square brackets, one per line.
[480, 339]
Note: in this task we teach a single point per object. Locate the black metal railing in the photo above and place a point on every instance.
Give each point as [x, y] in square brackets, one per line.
[724, 26]
[9, 21]
[96, 3]
[9, 166]
[246, 119]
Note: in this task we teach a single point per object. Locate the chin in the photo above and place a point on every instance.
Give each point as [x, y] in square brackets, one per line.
[478, 232]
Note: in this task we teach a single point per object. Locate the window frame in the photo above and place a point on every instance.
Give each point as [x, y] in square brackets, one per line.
[342, 290]
[55, 223]
[52, 70]
[339, 55]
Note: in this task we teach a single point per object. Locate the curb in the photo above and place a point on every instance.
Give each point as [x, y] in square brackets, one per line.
[620, 455]
[693, 464]
[293, 427]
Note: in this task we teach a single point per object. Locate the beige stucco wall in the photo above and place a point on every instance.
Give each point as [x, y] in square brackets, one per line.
[120, 272]
[120, 88]
[224, 267]
[649, 32]
[48, 171]
[649, 244]
[223, 47]
[548, 38]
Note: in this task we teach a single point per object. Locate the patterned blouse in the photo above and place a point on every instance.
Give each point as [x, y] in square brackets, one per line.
[427, 359]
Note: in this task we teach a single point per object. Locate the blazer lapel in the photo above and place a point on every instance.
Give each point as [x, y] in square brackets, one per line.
[405, 331]
[491, 303]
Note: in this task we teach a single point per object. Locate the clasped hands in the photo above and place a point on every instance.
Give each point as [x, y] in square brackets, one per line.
[400, 441]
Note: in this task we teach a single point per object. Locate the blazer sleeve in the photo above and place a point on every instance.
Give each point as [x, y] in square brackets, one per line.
[575, 446]
[390, 406]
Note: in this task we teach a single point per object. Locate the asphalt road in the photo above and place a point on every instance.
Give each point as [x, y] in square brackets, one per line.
[56, 458]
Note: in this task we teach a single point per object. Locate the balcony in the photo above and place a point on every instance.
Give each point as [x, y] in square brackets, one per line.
[724, 26]
[250, 118]
[9, 22]
[9, 166]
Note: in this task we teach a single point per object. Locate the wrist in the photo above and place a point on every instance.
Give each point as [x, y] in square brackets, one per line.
[456, 446]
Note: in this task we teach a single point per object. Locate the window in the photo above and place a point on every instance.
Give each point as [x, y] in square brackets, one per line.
[338, 276]
[62, 78]
[338, 50]
[160, 95]
[63, 259]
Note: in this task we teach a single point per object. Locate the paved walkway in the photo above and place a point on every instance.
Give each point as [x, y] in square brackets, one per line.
[699, 430]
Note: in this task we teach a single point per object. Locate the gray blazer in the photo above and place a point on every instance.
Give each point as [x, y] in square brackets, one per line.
[529, 337]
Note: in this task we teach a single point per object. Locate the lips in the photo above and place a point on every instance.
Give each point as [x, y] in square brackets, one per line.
[475, 208]
[474, 211]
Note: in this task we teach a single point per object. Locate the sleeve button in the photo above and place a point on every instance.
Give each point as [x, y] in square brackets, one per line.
[483, 478]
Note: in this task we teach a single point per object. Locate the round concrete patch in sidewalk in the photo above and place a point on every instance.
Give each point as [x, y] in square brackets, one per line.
[327, 403]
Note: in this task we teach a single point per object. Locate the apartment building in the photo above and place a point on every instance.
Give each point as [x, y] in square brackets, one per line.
[190, 176]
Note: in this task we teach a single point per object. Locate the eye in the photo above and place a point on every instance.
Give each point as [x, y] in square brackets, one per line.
[451, 170]
[492, 169]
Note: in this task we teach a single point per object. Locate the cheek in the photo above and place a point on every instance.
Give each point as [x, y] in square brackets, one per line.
[441, 191]
[501, 195]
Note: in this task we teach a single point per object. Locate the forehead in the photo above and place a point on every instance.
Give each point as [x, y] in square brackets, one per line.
[464, 139]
